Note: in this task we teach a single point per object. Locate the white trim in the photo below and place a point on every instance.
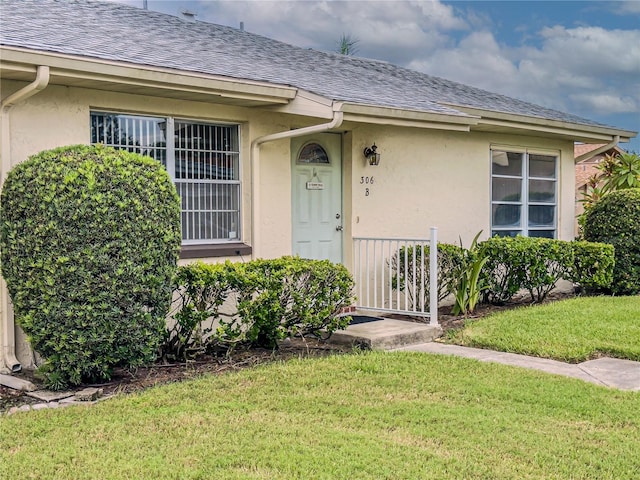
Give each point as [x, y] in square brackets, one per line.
[525, 229]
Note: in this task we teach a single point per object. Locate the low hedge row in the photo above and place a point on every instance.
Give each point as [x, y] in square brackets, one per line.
[256, 303]
[537, 264]
[510, 265]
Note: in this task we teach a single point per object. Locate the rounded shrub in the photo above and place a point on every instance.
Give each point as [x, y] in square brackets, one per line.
[615, 219]
[89, 241]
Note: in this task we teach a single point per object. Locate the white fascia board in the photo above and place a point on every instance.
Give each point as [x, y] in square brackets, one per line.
[142, 75]
[307, 104]
[404, 117]
[585, 133]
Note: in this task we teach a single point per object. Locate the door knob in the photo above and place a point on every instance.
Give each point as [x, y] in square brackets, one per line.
[339, 228]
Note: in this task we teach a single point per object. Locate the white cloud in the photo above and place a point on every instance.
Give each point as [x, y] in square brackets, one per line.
[580, 69]
[609, 102]
[580, 49]
[477, 60]
[627, 6]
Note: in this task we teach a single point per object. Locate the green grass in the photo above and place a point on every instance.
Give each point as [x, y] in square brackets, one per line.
[364, 416]
[570, 330]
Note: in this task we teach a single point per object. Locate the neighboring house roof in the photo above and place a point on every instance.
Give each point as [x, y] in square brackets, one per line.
[120, 33]
[589, 167]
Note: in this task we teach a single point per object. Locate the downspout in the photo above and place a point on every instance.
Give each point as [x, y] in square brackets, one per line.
[7, 325]
[255, 168]
[599, 150]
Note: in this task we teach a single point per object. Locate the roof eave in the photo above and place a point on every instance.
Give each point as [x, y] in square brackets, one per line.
[384, 115]
[90, 72]
[501, 121]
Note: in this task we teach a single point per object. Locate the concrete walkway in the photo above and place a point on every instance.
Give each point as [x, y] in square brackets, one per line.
[396, 335]
[609, 372]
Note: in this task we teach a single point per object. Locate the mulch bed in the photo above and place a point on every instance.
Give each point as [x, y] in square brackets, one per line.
[127, 381]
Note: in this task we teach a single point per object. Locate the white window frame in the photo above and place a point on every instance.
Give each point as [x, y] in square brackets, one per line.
[524, 229]
[170, 162]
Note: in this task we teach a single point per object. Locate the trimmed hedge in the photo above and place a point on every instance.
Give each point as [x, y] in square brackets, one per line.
[256, 303]
[615, 219]
[89, 243]
[536, 264]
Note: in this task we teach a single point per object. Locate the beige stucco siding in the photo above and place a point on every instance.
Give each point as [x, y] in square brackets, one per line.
[437, 178]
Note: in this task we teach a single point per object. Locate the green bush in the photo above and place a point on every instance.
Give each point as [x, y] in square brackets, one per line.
[451, 259]
[547, 262]
[200, 290]
[256, 303]
[514, 263]
[593, 265]
[89, 242]
[502, 271]
[615, 219]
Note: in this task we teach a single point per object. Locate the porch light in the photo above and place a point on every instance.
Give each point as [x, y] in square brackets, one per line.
[371, 155]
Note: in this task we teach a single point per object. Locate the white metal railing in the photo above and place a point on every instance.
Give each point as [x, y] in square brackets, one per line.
[394, 275]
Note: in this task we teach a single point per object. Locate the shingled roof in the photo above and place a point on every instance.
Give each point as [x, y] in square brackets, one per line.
[121, 33]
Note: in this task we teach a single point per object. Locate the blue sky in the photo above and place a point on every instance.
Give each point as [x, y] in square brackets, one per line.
[581, 57]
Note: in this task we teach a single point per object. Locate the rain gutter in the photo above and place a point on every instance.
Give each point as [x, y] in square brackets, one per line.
[598, 150]
[7, 325]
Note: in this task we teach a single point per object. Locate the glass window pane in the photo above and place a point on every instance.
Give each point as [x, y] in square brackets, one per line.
[206, 152]
[542, 233]
[506, 215]
[541, 216]
[542, 166]
[542, 191]
[506, 189]
[143, 135]
[506, 233]
[206, 167]
[313, 153]
[506, 163]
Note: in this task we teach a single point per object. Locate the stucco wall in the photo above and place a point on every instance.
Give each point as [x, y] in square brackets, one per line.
[425, 178]
[437, 178]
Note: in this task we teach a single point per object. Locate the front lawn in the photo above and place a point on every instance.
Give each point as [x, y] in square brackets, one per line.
[375, 415]
[572, 330]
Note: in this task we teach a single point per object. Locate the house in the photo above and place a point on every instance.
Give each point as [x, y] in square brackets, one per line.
[587, 158]
[266, 141]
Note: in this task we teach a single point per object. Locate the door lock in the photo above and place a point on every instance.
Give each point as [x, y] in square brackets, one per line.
[337, 216]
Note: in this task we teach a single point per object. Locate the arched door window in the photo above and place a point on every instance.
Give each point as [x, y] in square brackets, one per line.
[313, 153]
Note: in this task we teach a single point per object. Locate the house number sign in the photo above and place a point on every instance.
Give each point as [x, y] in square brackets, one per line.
[315, 186]
[366, 181]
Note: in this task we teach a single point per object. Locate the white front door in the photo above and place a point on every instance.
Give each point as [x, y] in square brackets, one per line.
[317, 196]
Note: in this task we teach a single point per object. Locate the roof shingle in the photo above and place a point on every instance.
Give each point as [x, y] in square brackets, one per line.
[117, 32]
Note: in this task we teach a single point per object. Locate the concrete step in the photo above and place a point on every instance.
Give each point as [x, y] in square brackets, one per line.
[385, 334]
